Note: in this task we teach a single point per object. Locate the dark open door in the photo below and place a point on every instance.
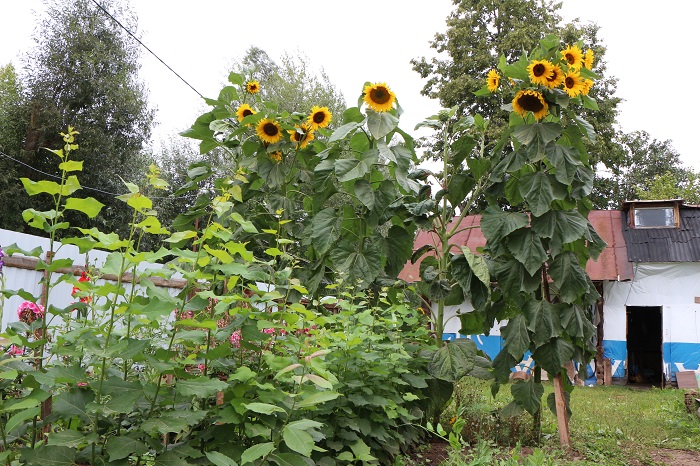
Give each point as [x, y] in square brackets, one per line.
[644, 342]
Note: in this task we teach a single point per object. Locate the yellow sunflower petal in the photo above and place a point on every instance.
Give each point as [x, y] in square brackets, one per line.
[573, 83]
[588, 59]
[493, 80]
[540, 71]
[269, 131]
[320, 117]
[573, 56]
[556, 79]
[243, 111]
[253, 87]
[528, 100]
[379, 97]
[302, 135]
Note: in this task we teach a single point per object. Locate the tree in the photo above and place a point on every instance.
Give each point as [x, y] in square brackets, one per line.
[12, 129]
[83, 72]
[641, 160]
[670, 186]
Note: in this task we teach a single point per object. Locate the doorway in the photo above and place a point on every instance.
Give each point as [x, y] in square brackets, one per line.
[644, 345]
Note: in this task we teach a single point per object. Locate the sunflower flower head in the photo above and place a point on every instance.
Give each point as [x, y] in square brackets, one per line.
[276, 156]
[528, 100]
[573, 56]
[243, 111]
[588, 59]
[573, 83]
[379, 97]
[556, 79]
[320, 117]
[302, 135]
[540, 71]
[269, 131]
[587, 85]
[253, 87]
[493, 80]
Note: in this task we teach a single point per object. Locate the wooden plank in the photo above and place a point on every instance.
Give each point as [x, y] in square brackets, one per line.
[686, 379]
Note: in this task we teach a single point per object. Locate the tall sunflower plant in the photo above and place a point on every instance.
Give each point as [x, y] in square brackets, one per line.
[331, 187]
[537, 250]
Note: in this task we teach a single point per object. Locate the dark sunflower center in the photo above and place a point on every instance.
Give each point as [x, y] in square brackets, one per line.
[570, 58]
[379, 95]
[319, 117]
[538, 70]
[530, 103]
[247, 112]
[270, 129]
[569, 82]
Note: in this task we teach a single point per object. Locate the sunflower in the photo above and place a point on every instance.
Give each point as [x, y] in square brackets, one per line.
[588, 59]
[540, 71]
[320, 117]
[253, 87]
[573, 56]
[379, 97]
[302, 135]
[243, 111]
[556, 79]
[587, 85]
[269, 131]
[493, 80]
[530, 101]
[573, 83]
[276, 156]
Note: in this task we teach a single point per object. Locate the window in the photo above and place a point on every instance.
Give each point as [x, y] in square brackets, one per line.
[654, 217]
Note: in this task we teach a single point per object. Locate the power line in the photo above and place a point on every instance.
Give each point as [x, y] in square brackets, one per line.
[82, 187]
[146, 47]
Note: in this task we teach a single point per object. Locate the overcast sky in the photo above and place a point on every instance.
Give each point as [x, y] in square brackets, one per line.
[650, 51]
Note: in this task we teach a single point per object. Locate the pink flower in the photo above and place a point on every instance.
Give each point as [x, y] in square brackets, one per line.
[269, 331]
[29, 312]
[15, 350]
[82, 384]
[201, 367]
[235, 338]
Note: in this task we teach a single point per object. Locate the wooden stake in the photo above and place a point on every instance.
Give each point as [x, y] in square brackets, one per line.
[562, 417]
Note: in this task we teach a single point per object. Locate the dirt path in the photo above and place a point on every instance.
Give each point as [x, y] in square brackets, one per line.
[676, 457]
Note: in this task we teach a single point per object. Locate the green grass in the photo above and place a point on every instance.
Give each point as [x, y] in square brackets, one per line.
[615, 425]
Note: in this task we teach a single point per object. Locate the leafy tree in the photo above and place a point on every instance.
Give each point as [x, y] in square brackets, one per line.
[83, 72]
[12, 129]
[641, 159]
[670, 186]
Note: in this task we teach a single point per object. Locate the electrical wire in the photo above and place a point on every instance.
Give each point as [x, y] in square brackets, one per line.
[146, 47]
[82, 187]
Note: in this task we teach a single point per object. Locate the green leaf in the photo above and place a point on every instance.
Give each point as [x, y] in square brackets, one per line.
[67, 438]
[353, 168]
[48, 455]
[553, 355]
[497, 224]
[173, 421]
[288, 459]
[381, 124]
[542, 320]
[561, 226]
[256, 451]
[537, 136]
[305, 424]
[516, 337]
[119, 447]
[89, 205]
[568, 276]
[71, 166]
[453, 360]
[576, 323]
[317, 398]
[527, 248]
[40, 187]
[170, 458]
[536, 189]
[566, 162]
[325, 230]
[298, 440]
[73, 403]
[219, 459]
[552, 403]
[247, 226]
[263, 408]
[513, 278]
[17, 419]
[201, 387]
[364, 193]
[361, 266]
[344, 130]
[528, 394]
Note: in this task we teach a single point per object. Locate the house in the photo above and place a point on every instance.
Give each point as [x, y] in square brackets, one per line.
[648, 317]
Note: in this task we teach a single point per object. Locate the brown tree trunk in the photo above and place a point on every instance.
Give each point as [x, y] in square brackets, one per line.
[562, 417]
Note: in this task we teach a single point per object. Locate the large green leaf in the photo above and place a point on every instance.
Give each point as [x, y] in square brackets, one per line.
[344, 130]
[364, 193]
[536, 188]
[317, 398]
[325, 229]
[202, 387]
[576, 322]
[497, 224]
[528, 394]
[173, 421]
[298, 439]
[121, 446]
[219, 459]
[553, 355]
[48, 455]
[527, 248]
[537, 133]
[458, 186]
[89, 205]
[67, 438]
[513, 278]
[568, 276]
[381, 124]
[360, 265]
[288, 459]
[542, 321]
[256, 451]
[72, 403]
[453, 360]
[354, 168]
[566, 162]
[123, 395]
[17, 419]
[561, 226]
[515, 336]
[400, 245]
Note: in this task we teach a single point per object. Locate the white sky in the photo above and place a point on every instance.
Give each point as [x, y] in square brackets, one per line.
[649, 50]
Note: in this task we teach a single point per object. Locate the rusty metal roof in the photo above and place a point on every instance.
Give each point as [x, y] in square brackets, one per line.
[680, 244]
[612, 264]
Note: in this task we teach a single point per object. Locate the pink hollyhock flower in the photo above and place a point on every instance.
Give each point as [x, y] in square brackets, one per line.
[14, 350]
[235, 338]
[28, 312]
[82, 384]
[269, 331]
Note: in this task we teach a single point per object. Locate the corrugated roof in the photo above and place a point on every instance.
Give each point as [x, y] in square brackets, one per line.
[665, 244]
[612, 264]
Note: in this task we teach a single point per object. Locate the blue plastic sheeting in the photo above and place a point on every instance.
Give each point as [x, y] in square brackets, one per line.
[616, 351]
[681, 357]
